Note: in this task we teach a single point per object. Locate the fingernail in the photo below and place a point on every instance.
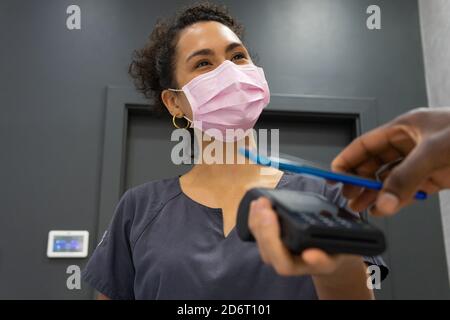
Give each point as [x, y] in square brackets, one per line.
[260, 210]
[266, 219]
[387, 202]
[257, 204]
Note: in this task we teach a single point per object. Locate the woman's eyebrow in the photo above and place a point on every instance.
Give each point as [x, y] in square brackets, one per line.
[201, 52]
[207, 51]
[233, 45]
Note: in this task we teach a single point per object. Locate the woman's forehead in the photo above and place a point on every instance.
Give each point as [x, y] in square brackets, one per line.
[202, 35]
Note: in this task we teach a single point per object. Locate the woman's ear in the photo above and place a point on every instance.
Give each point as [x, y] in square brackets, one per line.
[172, 103]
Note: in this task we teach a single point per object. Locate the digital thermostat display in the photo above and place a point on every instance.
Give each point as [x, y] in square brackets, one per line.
[67, 244]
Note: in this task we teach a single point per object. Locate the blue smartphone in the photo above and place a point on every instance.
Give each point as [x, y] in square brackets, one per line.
[298, 165]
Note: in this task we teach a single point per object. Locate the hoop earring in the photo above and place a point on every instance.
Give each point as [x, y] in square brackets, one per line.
[177, 126]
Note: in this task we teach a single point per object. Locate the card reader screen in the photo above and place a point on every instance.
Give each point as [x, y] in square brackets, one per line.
[68, 244]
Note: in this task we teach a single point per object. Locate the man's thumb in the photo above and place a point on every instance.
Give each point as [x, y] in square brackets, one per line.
[404, 180]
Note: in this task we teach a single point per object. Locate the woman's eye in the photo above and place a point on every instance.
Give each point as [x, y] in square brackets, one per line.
[202, 64]
[238, 56]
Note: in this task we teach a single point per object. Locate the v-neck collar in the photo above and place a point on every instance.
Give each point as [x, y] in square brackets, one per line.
[280, 183]
[219, 210]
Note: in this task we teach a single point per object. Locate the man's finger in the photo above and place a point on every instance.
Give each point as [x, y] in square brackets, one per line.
[361, 150]
[350, 192]
[364, 200]
[403, 181]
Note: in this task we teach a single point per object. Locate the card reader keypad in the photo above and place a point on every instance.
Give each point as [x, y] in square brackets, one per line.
[326, 219]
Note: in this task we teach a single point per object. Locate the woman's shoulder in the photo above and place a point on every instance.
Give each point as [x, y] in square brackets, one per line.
[150, 195]
[156, 191]
[146, 200]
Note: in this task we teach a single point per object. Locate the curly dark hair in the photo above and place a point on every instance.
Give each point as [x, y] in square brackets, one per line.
[152, 67]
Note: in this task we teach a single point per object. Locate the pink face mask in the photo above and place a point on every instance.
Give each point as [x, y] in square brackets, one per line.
[229, 97]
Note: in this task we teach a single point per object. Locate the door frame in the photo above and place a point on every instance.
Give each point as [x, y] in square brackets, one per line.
[121, 100]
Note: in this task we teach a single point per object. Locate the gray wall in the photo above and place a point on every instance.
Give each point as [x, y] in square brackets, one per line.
[435, 27]
[53, 98]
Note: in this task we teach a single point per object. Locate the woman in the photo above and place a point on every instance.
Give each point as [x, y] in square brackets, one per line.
[175, 238]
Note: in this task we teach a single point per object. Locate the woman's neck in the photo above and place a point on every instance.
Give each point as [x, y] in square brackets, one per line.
[228, 166]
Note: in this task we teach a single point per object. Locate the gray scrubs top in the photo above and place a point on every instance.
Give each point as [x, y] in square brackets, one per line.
[161, 244]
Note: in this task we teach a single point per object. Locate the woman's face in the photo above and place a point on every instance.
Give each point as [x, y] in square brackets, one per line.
[201, 48]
